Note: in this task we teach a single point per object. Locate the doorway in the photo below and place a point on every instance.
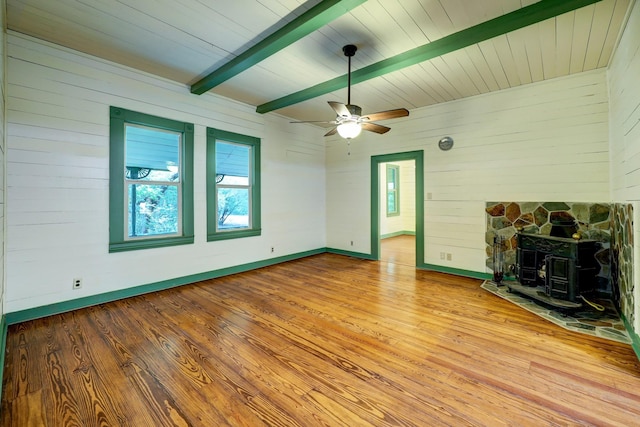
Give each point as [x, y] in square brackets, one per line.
[382, 202]
[397, 216]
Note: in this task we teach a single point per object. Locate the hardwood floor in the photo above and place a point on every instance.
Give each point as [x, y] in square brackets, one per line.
[327, 340]
[399, 250]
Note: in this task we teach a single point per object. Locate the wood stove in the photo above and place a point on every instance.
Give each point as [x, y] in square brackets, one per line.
[556, 270]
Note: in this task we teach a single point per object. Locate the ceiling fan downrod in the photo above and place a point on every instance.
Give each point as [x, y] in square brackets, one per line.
[349, 50]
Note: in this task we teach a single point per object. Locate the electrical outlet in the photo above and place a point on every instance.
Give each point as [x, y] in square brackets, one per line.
[352, 243]
[273, 249]
[442, 254]
[448, 257]
[77, 283]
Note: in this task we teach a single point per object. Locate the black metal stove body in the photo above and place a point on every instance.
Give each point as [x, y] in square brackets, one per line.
[563, 268]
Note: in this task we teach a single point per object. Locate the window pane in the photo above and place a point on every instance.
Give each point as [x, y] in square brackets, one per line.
[232, 180]
[152, 154]
[232, 162]
[391, 202]
[233, 208]
[391, 173]
[152, 210]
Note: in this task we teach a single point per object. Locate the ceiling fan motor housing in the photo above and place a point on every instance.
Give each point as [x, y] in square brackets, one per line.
[354, 110]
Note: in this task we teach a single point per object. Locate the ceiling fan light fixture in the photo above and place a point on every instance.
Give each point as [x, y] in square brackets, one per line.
[349, 130]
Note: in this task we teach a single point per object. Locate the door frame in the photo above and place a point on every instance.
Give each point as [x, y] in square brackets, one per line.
[418, 157]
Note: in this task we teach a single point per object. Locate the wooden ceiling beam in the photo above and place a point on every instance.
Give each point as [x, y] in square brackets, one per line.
[537, 12]
[313, 19]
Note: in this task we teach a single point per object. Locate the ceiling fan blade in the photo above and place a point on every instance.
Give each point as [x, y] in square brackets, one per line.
[385, 115]
[332, 122]
[374, 127]
[340, 109]
[332, 132]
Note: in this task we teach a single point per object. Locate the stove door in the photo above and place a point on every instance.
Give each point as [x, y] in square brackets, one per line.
[527, 267]
[560, 278]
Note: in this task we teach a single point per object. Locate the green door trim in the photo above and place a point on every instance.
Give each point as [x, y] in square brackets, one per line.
[418, 157]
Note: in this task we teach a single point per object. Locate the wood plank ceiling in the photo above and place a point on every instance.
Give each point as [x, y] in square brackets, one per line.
[185, 40]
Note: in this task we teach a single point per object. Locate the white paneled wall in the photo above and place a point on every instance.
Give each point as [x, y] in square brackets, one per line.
[544, 141]
[348, 195]
[624, 94]
[3, 98]
[636, 266]
[624, 98]
[408, 195]
[57, 176]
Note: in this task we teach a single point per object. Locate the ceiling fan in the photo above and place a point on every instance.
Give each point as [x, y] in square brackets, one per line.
[349, 120]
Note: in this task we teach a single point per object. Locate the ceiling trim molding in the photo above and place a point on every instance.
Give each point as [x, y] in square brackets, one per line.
[313, 19]
[512, 21]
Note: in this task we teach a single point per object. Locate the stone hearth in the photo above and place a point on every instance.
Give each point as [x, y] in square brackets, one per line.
[592, 219]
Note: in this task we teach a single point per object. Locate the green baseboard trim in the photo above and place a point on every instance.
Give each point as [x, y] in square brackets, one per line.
[456, 271]
[351, 254]
[65, 306]
[635, 338]
[397, 233]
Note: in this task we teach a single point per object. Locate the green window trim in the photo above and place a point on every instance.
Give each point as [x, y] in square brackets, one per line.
[392, 190]
[217, 135]
[118, 242]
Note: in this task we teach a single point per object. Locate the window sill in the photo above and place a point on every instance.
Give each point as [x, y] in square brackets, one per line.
[133, 245]
[236, 234]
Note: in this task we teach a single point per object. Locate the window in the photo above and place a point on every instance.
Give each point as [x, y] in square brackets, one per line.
[150, 181]
[393, 190]
[233, 185]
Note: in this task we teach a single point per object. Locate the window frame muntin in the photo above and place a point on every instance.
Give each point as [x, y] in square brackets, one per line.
[213, 135]
[117, 217]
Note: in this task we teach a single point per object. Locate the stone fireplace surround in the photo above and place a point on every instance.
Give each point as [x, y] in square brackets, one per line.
[609, 224]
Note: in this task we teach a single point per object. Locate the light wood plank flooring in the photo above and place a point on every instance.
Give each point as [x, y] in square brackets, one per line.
[399, 250]
[327, 340]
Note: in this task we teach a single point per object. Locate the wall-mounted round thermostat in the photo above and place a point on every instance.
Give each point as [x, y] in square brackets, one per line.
[445, 143]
